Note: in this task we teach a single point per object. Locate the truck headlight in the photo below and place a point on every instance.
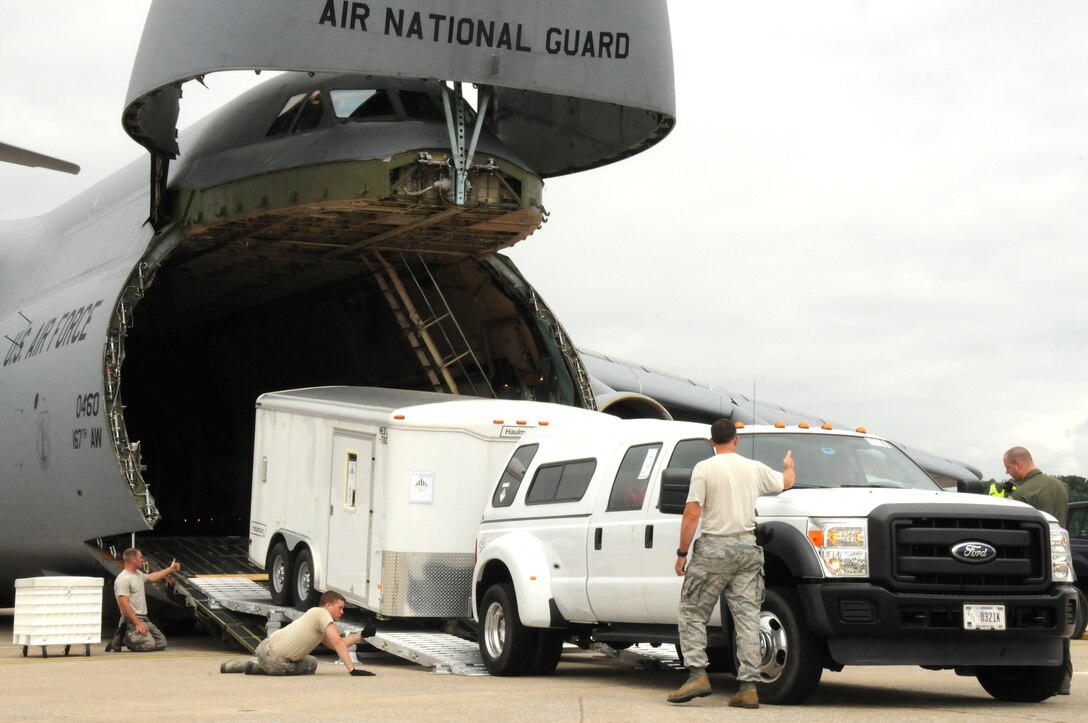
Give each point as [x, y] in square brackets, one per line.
[1060, 554]
[842, 546]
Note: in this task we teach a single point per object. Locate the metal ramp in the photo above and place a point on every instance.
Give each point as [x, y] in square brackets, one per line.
[243, 609]
[442, 652]
[643, 656]
[237, 606]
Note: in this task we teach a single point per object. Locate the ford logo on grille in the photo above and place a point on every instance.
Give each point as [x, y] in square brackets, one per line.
[974, 552]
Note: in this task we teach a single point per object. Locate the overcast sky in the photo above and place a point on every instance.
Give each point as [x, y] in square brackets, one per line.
[868, 211]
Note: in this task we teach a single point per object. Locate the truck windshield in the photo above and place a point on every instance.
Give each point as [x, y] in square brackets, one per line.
[825, 460]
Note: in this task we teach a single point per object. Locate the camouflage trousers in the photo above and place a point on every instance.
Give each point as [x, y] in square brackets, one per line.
[277, 665]
[729, 568]
[154, 640]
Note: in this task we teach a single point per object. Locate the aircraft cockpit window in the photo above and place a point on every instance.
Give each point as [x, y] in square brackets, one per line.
[286, 116]
[421, 106]
[310, 115]
[362, 104]
[301, 112]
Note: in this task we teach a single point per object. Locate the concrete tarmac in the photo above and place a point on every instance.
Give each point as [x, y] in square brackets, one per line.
[183, 683]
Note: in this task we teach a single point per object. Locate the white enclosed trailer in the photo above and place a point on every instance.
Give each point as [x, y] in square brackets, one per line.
[377, 493]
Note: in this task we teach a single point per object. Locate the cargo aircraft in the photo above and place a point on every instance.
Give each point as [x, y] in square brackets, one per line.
[340, 223]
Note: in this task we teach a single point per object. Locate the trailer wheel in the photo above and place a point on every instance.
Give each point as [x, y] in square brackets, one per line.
[1020, 683]
[507, 646]
[791, 663]
[303, 587]
[279, 574]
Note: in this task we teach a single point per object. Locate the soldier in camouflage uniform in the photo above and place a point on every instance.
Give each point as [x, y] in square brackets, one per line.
[726, 560]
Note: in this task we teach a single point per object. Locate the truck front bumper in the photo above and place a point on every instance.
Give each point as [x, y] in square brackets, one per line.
[869, 625]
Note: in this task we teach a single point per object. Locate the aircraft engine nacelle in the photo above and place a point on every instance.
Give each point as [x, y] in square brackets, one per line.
[631, 405]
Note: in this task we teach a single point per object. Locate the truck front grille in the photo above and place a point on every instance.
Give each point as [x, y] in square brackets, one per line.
[921, 556]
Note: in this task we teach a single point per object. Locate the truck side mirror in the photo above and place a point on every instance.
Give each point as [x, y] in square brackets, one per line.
[674, 491]
[972, 486]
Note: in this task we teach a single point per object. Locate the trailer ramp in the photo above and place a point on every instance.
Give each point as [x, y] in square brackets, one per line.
[239, 607]
[242, 608]
[442, 652]
[643, 656]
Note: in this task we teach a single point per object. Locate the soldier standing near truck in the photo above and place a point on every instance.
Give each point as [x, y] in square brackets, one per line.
[1048, 494]
[727, 562]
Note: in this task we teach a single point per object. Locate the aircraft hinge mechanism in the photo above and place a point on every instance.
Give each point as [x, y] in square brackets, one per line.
[566, 349]
[453, 103]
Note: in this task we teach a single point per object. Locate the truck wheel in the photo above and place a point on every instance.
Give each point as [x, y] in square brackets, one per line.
[279, 574]
[507, 646]
[303, 587]
[1082, 615]
[792, 662]
[1020, 684]
[549, 648]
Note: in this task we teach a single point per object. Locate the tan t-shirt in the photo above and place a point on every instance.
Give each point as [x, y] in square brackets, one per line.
[131, 585]
[297, 640]
[726, 487]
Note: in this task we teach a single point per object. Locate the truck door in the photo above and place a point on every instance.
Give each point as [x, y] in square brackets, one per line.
[347, 558]
[661, 586]
[618, 538]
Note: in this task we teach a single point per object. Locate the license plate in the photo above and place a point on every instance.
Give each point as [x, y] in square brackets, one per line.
[983, 617]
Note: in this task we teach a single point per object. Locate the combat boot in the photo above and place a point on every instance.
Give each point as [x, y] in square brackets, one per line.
[234, 665]
[746, 698]
[697, 686]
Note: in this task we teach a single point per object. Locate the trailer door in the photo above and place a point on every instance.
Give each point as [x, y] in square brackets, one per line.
[350, 509]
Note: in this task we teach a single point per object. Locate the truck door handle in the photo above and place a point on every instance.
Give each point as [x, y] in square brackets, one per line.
[649, 537]
[597, 539]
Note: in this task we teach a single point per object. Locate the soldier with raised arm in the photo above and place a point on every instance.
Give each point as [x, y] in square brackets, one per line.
[726, 561]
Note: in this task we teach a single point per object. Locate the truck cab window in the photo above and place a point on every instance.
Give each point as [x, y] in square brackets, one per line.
[562, 482]
[690, 452]
[512, 476]
[632, 478]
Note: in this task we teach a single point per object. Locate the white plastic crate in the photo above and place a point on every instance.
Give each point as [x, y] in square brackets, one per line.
[57, 611]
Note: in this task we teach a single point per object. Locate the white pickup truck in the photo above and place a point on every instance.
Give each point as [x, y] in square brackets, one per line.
[868, 560]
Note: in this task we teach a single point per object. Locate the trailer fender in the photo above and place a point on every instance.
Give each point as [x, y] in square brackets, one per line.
[523, 557]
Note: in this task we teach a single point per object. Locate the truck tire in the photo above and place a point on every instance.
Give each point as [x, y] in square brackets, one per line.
[302, 587]
[792, 659]
[549, 648]
[279, 574]
[507, 646]
[1020, 684]
[1082, 615]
